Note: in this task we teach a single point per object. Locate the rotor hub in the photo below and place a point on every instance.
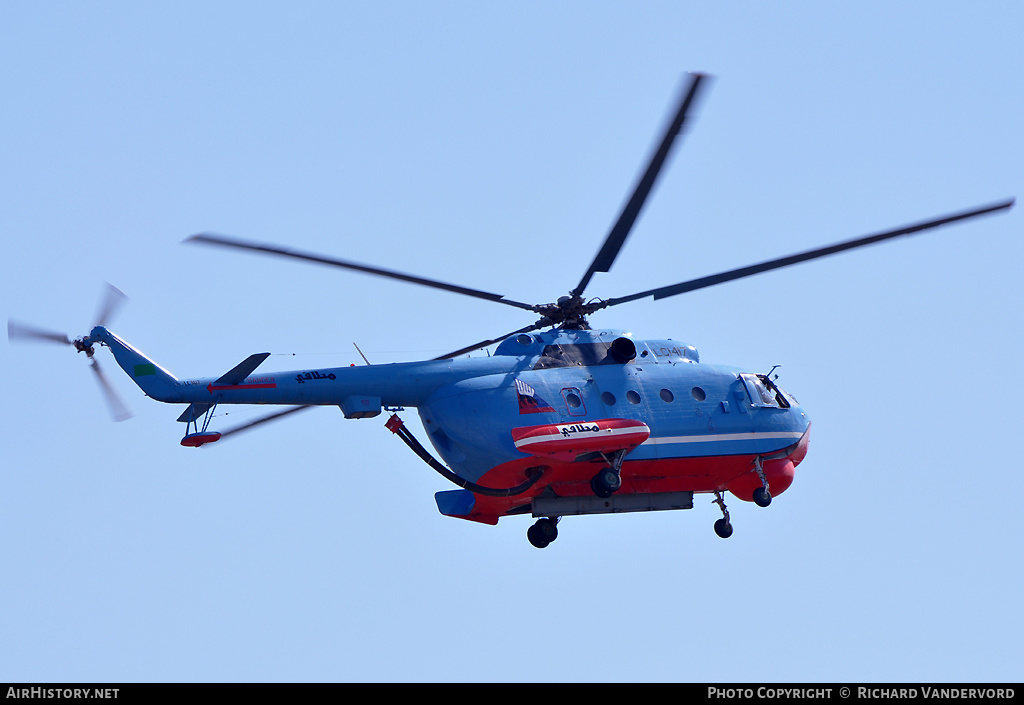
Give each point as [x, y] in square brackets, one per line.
[85, 345]
[568, 312]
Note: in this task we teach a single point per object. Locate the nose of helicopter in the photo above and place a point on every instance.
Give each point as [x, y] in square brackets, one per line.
[797, 421]
[777, 415]
[800, 450]
[779, 470]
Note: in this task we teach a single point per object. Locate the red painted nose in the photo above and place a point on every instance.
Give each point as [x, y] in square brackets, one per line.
[779, 473]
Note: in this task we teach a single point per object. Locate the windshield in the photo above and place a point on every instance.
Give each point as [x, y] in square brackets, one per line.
[763, 392]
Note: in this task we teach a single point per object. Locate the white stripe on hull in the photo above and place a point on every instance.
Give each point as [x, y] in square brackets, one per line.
[717, 437]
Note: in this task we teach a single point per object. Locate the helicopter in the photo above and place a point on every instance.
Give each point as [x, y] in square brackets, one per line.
[561, 419]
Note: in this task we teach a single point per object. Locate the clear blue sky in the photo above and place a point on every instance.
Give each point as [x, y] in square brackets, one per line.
[493, 146]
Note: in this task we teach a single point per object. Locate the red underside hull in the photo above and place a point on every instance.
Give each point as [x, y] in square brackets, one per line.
[734, 473]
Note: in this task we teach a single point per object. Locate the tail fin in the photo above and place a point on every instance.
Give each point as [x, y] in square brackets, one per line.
[154, 380]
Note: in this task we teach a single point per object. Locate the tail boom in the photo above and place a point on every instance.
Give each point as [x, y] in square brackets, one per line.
[359, 391]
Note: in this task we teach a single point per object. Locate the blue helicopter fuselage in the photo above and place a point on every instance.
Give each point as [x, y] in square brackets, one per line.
[705, 425]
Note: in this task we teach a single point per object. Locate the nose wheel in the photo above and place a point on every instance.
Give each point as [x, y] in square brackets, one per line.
[762, 496]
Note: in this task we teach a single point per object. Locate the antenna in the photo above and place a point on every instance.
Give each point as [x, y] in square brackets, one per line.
[361, 354]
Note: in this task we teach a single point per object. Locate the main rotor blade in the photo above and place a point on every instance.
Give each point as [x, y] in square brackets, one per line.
[21, 331]
[617, 236]
[485, 343]
[214, 239]
[263, 420]
[118, 410]
[693, 284]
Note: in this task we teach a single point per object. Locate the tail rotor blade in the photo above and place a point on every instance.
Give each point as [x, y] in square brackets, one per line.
[112, 301]
[22, 331]
[118, 409]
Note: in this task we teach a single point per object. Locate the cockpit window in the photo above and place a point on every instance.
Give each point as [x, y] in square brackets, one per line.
[789, 397]
[763, 392]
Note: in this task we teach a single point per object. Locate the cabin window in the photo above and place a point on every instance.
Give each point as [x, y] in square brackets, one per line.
[608, 398]
[698, 393]
[632, 397]
[666, 395]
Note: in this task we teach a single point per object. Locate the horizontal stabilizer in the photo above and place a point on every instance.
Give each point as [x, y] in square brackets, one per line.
[243, 369]
[194, 412]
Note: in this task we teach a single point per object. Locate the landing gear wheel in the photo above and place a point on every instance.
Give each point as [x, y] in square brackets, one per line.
[605, 483]
[762, 497]
[723, 528]
[542, 533]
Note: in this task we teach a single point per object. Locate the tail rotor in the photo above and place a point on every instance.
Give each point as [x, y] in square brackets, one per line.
[113, 299]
